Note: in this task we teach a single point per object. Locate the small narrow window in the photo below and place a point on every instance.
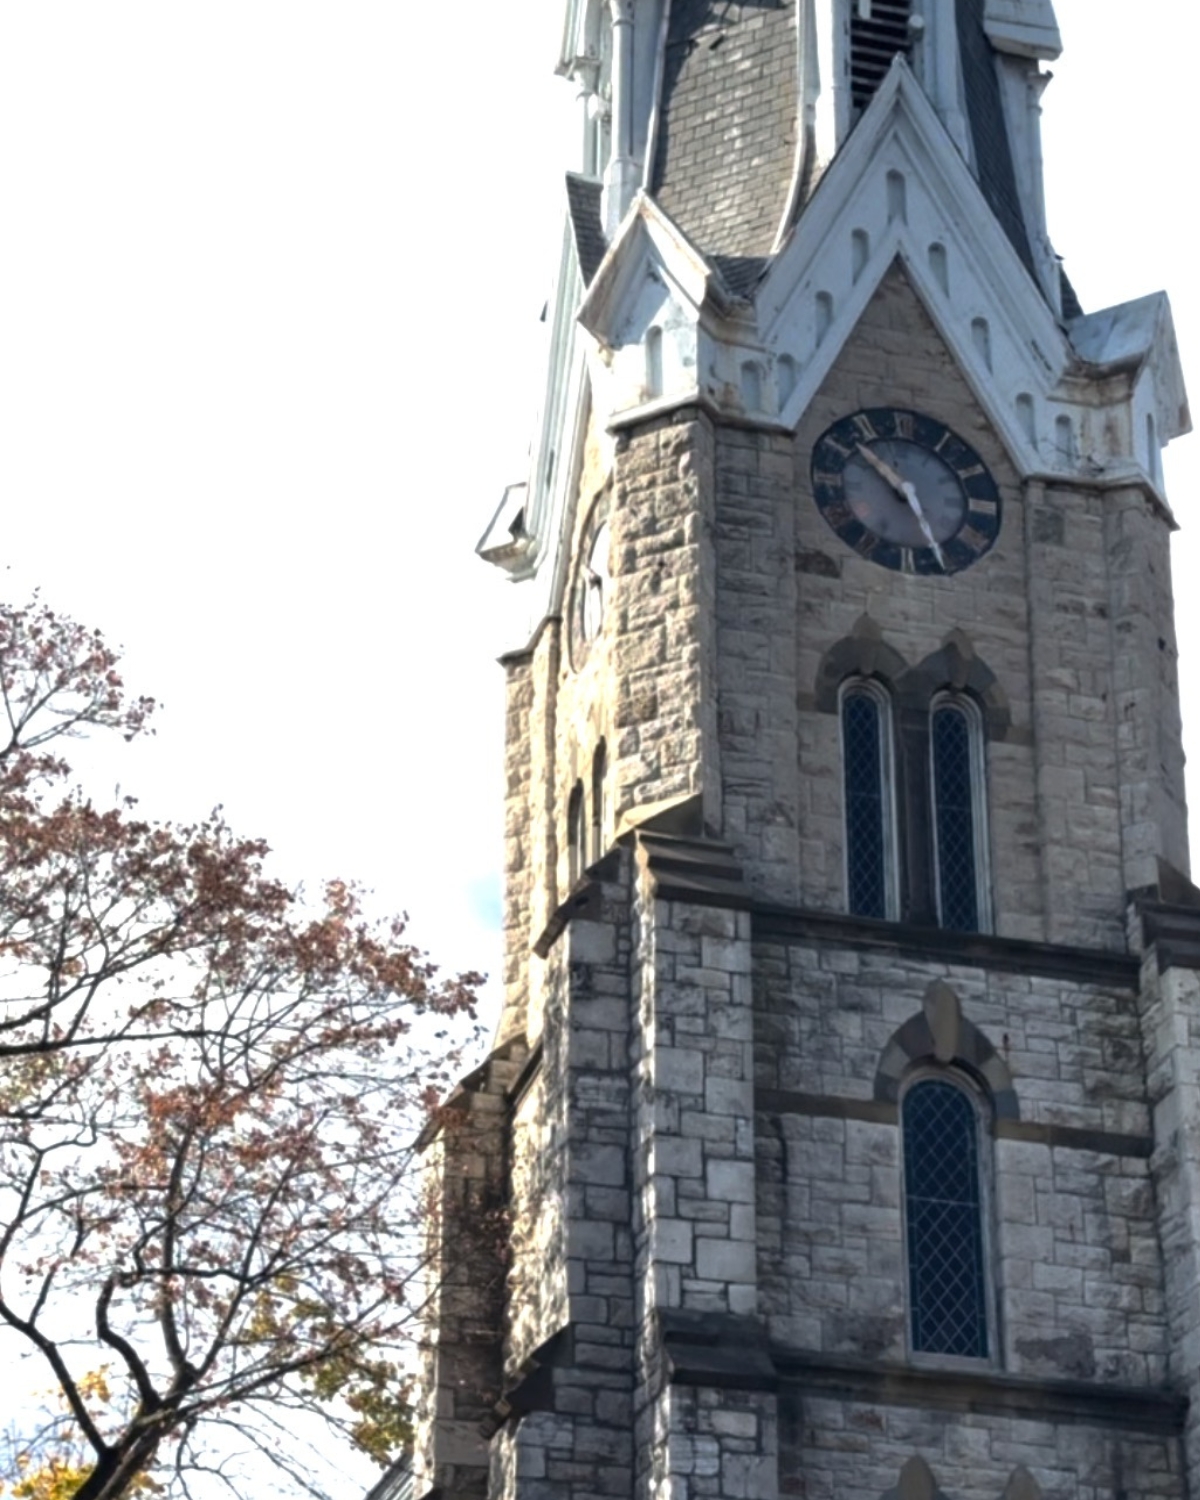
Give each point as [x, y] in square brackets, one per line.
[577, 833]
[982, 334]
[785, 378]
[599, 800]
[752, 386]
[867, 787]
[1027, 416]
[879, 29]
[1153, 452]
[897, 198]
[1064, 439]
[959, 815]
[654, 363]
[939, 264]
[824, 315]
[860, 252]
[944, 1221]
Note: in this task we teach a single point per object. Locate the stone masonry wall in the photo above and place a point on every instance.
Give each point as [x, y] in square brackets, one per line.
[848, 1450]
[757, 654]
[695, 1175]
[660, 634]
[1145, 688]
[1171, 1017]
[897, 358]
[1077, 578]
[570, 1348]
[1078, 1278]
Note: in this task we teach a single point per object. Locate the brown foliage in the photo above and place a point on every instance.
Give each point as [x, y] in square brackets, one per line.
[208, 1098]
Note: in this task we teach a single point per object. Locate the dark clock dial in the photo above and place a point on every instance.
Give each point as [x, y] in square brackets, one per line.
[905, 491]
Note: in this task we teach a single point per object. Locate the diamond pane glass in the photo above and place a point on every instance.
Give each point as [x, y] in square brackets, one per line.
[954, 804]
[866, 850]
[945, 1233]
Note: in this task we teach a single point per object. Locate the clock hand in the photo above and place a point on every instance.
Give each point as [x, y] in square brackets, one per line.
[905, 490]
[914, 505]
[884, 470]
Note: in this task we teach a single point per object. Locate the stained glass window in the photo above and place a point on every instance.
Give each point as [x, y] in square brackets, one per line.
[866, 771]
[958, 818]
[947, 1292]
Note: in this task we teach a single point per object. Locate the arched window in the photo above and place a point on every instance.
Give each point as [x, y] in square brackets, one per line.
[868, 800]
[944, 1221]
[599, 800]
[577, 833]
[959, 815]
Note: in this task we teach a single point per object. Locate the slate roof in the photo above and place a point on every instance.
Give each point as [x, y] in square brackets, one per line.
[727, 125]
[583, 204]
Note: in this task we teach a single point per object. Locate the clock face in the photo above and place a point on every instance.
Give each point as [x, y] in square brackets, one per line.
[905, 492]
[590, 586]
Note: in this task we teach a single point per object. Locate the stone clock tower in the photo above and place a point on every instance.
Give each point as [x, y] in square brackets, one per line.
[841, 1135]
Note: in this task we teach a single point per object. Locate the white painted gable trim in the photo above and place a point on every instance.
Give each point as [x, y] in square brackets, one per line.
[647, 233]
[855, 228]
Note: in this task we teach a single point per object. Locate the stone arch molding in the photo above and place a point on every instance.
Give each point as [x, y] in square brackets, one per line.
[939, 1032]
[916, 1482]
[954, 666]
[863, 653]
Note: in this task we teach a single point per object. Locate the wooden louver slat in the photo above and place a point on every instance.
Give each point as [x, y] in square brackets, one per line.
[873, 44]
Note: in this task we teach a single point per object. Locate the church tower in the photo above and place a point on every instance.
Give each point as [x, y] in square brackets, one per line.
[842, 1133]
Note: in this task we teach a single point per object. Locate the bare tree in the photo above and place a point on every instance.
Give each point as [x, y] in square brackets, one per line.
[207, 1101]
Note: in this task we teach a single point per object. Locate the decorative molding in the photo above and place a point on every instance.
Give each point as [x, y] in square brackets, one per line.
[885, 1112]
[1159, 1410]
[927, 945]
[941, 1033]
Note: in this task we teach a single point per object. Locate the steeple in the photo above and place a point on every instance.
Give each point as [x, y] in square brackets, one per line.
[836, 1137]
[739, 150]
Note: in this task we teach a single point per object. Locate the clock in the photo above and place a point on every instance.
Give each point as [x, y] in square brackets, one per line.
[906, 492]
[590, 584]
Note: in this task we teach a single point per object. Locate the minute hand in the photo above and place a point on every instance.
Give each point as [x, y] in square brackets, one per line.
[904, 488]
[884, 470]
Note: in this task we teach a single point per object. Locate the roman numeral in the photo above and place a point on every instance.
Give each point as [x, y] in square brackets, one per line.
[863, 423]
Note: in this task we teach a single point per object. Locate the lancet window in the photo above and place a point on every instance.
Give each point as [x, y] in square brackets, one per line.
[944, 1220]
[868, 799]
[959, 815]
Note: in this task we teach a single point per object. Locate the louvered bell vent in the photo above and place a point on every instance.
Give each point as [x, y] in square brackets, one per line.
[878, 30]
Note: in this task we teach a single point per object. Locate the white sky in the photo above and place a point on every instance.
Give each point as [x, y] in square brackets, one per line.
[268, 343]
[269, 284]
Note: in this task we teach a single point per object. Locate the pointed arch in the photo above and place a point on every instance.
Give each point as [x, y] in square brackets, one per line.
[955, 667]
[939, 1034]
[863, 653]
